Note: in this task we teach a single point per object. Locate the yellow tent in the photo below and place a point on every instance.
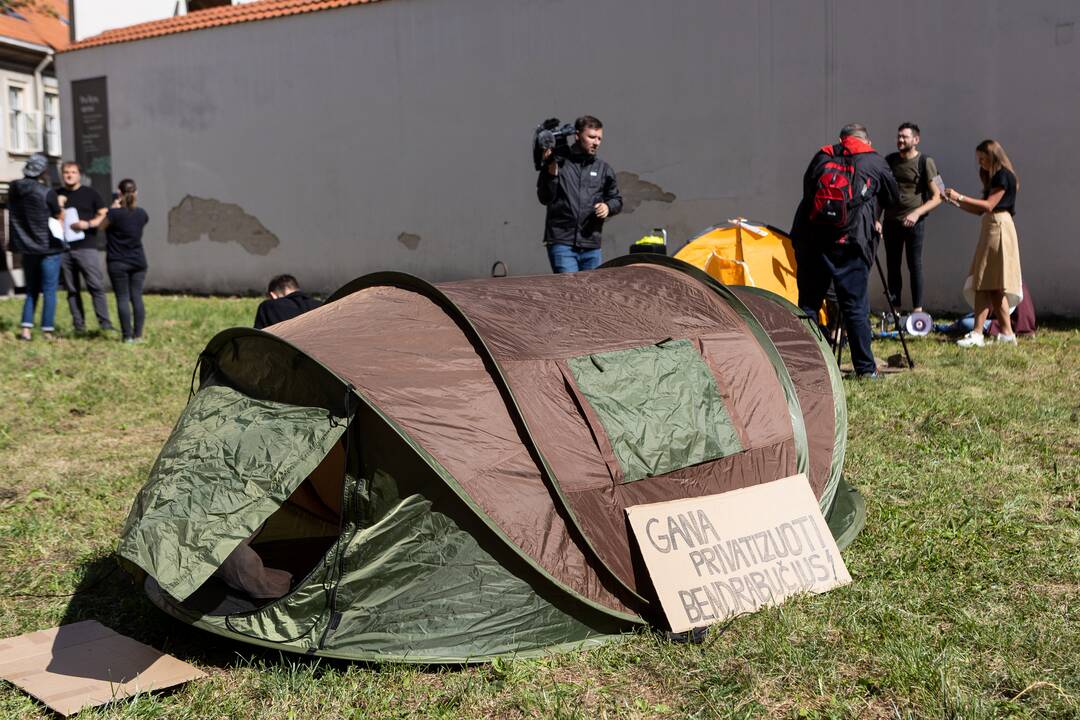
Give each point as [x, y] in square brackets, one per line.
[745, 253]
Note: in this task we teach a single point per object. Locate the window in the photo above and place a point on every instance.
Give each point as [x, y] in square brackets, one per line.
[15, 110]
[52, 124]
[23, 132]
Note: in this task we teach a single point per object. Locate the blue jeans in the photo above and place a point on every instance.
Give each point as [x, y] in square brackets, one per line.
[42, 273]
[567, 259]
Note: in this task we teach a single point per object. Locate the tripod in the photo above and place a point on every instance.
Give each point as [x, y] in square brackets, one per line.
[840, 335]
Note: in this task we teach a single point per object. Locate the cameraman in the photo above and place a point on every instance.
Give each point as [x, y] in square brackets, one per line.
[579, 192]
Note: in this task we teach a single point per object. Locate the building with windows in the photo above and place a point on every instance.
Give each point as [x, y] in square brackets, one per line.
[92, 17]
[29, 100]
[331, 138]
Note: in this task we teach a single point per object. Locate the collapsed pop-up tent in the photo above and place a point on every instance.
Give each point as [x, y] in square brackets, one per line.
[443, 470]
[740, 252]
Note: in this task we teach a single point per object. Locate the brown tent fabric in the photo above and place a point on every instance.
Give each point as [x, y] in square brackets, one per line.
[409, 358]
[476, 374]
[615, 309]
[811, 377]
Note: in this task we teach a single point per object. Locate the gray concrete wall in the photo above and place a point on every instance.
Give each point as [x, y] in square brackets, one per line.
[396, 135]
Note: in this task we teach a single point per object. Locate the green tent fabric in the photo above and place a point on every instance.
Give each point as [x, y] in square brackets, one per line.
[443, 471]
[230, 462]
[659, 406]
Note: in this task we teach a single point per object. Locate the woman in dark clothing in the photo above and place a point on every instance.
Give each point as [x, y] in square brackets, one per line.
[126, 260]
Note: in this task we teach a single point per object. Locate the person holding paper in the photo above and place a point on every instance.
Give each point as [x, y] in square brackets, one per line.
[903, 227]
[68, 220]
[994, 282]
[81, 261]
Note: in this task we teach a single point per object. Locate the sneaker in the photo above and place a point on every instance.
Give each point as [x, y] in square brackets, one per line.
[972, 339]
[1006, 339]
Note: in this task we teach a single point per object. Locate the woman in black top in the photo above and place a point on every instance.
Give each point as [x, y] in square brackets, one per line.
[993, 282]
[126, 260]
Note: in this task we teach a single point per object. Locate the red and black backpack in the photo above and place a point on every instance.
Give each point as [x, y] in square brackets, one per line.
[838, 190]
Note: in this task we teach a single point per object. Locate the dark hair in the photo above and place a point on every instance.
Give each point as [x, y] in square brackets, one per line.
[70, 163]
[855, 129]
[587, 122]
[909, 126]
[283, 284]
[127, 193]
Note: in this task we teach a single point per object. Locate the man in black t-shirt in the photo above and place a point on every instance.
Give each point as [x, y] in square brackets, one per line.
[286, 301]
[82, 260]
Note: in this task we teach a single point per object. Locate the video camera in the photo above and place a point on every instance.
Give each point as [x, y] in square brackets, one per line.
[552, 135]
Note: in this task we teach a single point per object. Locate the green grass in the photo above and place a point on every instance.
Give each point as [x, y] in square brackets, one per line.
[965, 604]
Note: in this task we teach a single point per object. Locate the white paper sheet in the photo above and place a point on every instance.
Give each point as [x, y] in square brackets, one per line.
[939, 184]
[71, 216]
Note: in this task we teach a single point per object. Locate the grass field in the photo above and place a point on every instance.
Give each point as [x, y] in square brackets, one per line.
[965, 604]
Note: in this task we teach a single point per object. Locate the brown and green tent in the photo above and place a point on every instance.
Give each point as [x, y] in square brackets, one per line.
[442, 470]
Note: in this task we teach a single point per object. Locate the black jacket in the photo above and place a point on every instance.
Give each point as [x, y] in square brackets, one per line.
[30, 205]
[583, 181]
[869, 166]
[272, 311]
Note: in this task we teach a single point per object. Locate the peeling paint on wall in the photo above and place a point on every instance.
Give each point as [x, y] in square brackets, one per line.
[409, 240]
[635, 191]
[197, 218]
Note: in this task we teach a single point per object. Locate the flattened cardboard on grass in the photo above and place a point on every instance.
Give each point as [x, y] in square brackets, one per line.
[84, 664]
[714, 557]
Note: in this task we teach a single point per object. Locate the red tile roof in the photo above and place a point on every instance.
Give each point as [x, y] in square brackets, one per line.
[213, 17]
[37, 27]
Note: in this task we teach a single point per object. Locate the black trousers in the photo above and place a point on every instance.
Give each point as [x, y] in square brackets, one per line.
[127, 283]
[900, 240]
[845, 268]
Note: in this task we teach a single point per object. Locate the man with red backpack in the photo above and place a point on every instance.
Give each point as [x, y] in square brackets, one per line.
[835, 233]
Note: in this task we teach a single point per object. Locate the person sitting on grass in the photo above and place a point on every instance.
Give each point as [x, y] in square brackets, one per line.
[286, 301]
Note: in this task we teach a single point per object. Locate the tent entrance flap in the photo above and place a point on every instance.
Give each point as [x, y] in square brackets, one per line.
[230, 463]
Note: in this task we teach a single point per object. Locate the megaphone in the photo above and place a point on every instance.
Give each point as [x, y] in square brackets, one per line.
[918, 324]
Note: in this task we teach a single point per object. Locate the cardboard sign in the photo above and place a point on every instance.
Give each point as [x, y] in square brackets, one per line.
[714, 557]
[84, 664]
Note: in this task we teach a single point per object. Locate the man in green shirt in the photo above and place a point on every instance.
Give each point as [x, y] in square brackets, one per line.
[903, 226]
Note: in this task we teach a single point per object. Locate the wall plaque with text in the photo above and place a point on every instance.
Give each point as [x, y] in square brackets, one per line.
[90, 104]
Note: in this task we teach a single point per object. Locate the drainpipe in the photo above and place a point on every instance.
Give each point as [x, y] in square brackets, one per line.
[39, 94]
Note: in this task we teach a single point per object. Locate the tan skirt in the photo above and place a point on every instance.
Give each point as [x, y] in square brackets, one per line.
[996, 265]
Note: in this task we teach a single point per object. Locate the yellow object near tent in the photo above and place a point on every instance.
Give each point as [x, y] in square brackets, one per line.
[745, 253]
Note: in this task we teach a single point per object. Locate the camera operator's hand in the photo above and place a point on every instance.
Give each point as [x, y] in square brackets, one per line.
[601, 210]
[553, 166]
